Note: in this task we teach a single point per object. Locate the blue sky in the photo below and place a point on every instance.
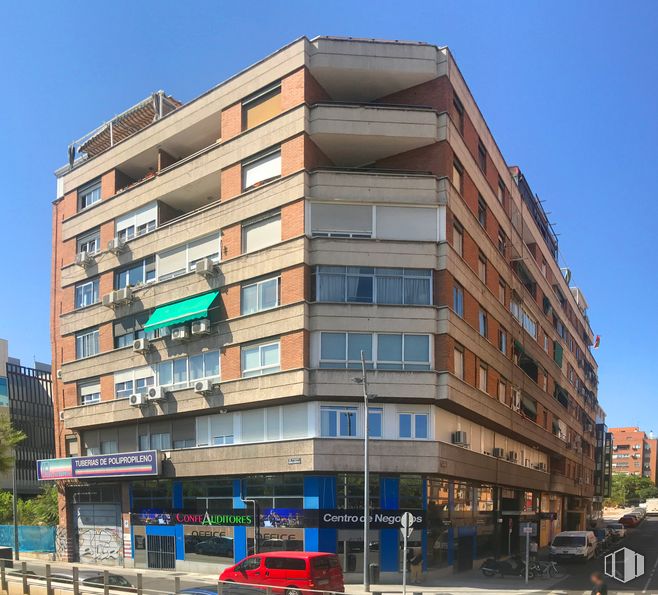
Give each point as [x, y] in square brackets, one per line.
[568, 88]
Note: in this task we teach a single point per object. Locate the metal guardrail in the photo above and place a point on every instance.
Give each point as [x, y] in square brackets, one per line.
[77, 586]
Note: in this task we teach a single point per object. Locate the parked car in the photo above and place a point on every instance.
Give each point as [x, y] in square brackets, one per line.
[93, 578]
[629, 521]
[573, 545]
[227, 589]
[639, 512]
[617, 529]
[291, 572]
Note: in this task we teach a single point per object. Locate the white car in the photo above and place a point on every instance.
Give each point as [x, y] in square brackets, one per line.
[574, 545]
[617, 529]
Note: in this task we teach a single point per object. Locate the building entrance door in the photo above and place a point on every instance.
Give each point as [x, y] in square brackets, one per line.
[161, 551]
[98, 533]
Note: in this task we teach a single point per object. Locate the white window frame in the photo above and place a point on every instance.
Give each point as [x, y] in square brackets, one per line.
[247, 164]
[189, 381]
[414, 415]
[337, 410]
[261, 370]
[131, 379]
[87, 343]
[190, 265]
[134, 265]
[483, 377]
[127, 228]
[93, 189]
[89, 242]
[246, 225]
[458, 361]
[259, 285]
[91, 398]
[81, 287]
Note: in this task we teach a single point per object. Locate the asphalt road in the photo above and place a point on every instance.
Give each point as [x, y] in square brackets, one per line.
[643, 540]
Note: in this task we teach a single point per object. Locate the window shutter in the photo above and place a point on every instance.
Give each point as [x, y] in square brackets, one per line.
[262, 233]
[203, 247]
[405, 223]
[172, 262]
[341, 218]
[262, 169]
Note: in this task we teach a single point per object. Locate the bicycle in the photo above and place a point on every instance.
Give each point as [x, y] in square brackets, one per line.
[548, 569]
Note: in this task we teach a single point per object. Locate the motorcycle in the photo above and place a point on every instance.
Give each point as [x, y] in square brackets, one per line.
[513, 566]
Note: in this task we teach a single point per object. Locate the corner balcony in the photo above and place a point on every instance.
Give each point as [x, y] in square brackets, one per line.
[366, 69]
[353, 135]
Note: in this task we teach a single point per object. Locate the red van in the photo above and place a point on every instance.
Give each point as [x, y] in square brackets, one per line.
[291, 572]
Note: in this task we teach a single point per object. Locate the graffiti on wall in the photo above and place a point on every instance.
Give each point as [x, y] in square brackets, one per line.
[62, 545]
[97, 544]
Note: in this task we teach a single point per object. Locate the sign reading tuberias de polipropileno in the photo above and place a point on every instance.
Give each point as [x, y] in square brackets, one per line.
[122, 464]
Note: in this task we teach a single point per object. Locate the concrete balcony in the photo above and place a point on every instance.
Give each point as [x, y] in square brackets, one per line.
[355, 135]
[401, 386]
[281, 386]
[366, 69]
[377, 186]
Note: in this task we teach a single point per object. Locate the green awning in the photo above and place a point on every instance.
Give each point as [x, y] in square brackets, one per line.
[180, 312]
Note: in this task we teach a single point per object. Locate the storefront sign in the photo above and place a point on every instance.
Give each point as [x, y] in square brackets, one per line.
[229, 518]
[379, 519]
[127, 464]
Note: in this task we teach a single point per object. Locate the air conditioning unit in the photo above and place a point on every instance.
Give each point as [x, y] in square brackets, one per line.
[84, 259]
[155, 393]
[109, 299]
[116, 245]
[499, 453]
[180, 333]
[201, 327]
[459, 438]
[205, 267]
[136, 400]
[123, 295]
[61, 416]
[512, 456]
[141, 345]
[59, 374]
[202, 387]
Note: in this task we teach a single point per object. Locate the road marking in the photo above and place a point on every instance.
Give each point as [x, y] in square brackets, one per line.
[653, 571]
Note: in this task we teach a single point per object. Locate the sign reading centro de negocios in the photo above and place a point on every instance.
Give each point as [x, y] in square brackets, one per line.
[379, 518]
[123, 464]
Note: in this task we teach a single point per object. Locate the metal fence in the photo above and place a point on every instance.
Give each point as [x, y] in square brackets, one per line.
[30, 538]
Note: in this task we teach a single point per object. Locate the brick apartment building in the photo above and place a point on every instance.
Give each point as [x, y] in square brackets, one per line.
[634, 453]
[218, 268]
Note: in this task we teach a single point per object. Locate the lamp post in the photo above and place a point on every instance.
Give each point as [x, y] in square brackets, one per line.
[14, 505]
[253, 502]
[363, 381]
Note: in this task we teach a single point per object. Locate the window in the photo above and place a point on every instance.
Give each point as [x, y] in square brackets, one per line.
[86, 343]
[89, 194]
[375, 422]
[502, 242]
[89, 243]
[502, 341]
[130, 328]
[501, 292]
[161, 441]
[260, 359]
[137, 380]
[502, 391]
[458, 238]
[259, 296]
[136, 274]
[374, 285]
[523, 317]
[109, 447]
[413, 426]
[137, 223]
[381, 351]
[482, 157]
[182, 259]
[89, 391]
[338, 422]
[261, 233]
[458, 300]
[482, 212]
[458, 176]
[546, 343]
[261, 106]
[341, 221]
[483, 377]
[459, 110]
[458, 362]
[482, 268]
[482, 323]
[204, 365]
[261, 169]
[86, 293]
[500, 194]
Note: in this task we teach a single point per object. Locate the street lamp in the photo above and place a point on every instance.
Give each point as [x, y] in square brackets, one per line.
[14, 505]
[363, 381]
[253, 502]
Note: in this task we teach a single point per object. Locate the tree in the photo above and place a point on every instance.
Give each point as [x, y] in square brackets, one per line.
[632, 488]
[9, 438]
[41, 510]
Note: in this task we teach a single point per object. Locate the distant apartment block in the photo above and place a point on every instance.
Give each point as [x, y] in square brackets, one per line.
[634, 452]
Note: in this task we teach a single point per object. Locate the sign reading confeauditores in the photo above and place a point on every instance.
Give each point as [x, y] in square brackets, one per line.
[125, 464]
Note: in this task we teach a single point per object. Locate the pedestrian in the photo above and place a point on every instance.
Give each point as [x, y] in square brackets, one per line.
[599, 586]
[416, 564]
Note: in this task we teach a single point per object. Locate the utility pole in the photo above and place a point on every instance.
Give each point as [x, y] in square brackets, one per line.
[363, 381]
[253, 502]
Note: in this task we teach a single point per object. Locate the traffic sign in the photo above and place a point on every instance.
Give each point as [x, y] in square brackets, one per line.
[407, 520]
[406, 532]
